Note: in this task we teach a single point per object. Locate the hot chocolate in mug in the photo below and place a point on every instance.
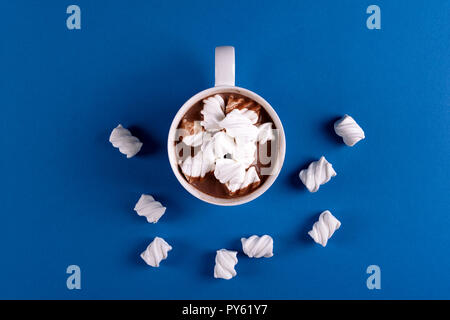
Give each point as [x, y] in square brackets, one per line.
[272, 156]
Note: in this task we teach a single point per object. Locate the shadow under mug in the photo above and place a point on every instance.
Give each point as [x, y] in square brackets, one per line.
[225, 75]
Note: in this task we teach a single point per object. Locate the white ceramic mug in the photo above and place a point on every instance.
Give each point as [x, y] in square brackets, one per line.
[224, 74]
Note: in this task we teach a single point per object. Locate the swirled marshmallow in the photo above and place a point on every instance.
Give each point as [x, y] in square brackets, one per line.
[226, 260]
[192, 166]
[223, 144]
[200, 164]
[148, 207]
[213, 113]
[349, 130]
[121, 138]
[196, 139]
[265, 133]
[240, 127]
[245, 153]
[258, 247]
[318, 173]
[208, 147]
[250, 115]
[251, 178]
[324, 228]
[156, 252]
[229, 171]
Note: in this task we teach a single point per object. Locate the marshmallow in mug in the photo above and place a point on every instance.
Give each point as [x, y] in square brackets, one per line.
[227, 137]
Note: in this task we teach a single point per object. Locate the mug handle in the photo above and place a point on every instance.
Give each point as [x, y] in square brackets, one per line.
[224, 57]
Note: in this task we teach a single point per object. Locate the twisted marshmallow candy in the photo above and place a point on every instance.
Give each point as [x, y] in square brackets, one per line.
[121, 138]
[258, 247]
[265, 133]
[229, 171]
[148, 207]
[225, 262]
[318, 173]
[156, 252]
[239, 126]
[323, 229]
[349, 130]
[213, 113]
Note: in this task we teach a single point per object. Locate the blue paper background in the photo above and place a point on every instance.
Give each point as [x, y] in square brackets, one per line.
[67, 195]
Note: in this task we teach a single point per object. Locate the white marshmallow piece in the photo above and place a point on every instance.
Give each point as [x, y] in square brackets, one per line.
[240, 127]
[258, 247]
[148, 207]
[349, 130]
[226, 260]
[245, 153]
[208, 156]
[199, 165]
[213, 113]
[128, 144]
[229, 171]
[251, 177]
[318, 173]
[324, 228]
[250, 114]
[265, 133]
[156, 252]
[223, 145]
[196, 139]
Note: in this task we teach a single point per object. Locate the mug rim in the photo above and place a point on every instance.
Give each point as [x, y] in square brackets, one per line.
[173, 159]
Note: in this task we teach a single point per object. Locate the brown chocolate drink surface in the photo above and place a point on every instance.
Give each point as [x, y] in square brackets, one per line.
[209, 184]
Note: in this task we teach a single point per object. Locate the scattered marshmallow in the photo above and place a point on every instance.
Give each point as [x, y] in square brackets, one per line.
[196, 139]
[223, 145]
[156, 252]
[240, 127]
[213, 113]
[250, 115]
[349, 130]
[229, 171]
[324, 228]
[258, 247]
[265, 133]
[199, 165]
[251, 179]
[318, 173]
[226, 260]
[148, 207]
[128, 144]
[245, 153]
